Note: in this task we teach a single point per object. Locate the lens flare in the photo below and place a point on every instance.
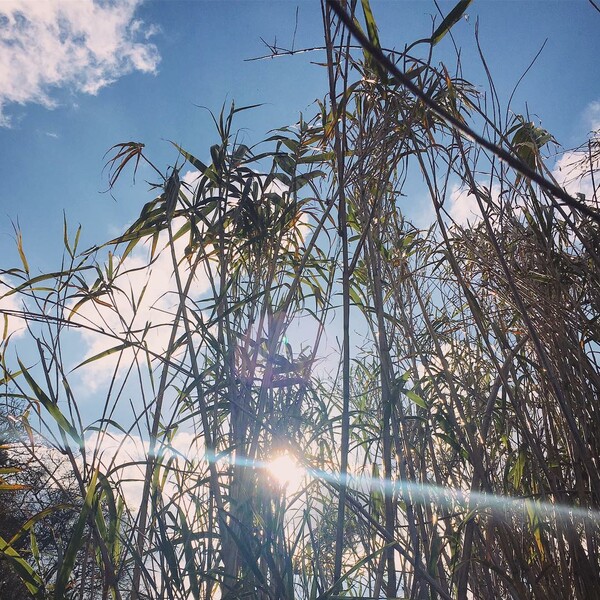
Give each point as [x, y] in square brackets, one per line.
[286, 471]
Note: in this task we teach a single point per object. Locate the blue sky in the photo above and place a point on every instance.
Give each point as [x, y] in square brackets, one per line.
[76, 78]
[142, 74]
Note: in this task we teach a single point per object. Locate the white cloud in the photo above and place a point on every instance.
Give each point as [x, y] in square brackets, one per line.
[156, 306]
[126, 457]
[591, 115]
[463, 207]
[573, 169]
[82, 45]
[10, 324]
[153, 288]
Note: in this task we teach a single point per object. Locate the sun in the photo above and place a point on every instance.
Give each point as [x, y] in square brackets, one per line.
[286, 472]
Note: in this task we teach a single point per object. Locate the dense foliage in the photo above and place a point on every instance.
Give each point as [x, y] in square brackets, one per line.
[438, 384]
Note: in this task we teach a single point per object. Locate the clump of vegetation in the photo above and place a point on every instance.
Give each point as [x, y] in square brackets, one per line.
[439, 386]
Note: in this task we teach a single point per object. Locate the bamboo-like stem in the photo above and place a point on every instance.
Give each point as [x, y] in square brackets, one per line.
[339, 138]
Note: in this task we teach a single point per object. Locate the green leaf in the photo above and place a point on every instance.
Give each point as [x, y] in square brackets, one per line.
[167, 549]
[108, 499]
[286, 163]
[327, 593]
[10, 470]
[28, 525]
[66, 236]
[77, 538]
[51, 407]
[450, 440]
[22, 252]
[416, 398]
[371, 63]
[30, 578]
[371, 25]
[100, 355]
[354, 296]
[35, 551]
[190, 555]
[195, 162]
[516, 471]
[30, 282]
[316, 158]
[243, 108]
[451, 19]
[302, 180]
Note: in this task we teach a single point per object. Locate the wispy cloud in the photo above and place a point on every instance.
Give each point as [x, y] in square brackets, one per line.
[10, 323]
[82, 46]
[592, 115]
[463, 208]
[573, 170]
[144, 295]
[125, 456]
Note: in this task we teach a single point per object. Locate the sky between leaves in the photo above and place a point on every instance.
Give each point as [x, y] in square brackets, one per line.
[77, 77]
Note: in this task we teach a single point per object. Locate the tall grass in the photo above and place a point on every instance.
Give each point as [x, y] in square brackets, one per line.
[443, 418]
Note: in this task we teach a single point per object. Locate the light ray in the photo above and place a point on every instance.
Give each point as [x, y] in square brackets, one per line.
[286, 471]
[426, 493]
[498, 504]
